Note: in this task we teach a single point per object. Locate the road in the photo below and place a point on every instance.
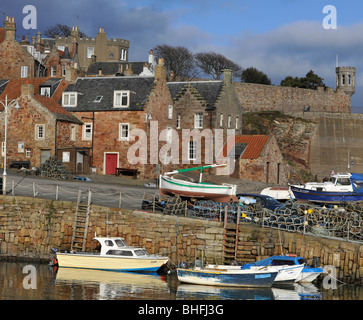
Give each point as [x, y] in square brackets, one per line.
[102, 192]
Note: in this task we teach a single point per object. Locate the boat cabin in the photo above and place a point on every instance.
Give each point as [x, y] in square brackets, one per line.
[118, 246]
[340, 180]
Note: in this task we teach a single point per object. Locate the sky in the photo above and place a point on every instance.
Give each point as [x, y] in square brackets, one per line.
[279, 37]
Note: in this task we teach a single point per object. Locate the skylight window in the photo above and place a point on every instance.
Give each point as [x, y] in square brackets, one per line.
[98, 99]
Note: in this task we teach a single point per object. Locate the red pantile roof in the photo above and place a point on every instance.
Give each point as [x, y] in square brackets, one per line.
[13, 91]
[255, 145]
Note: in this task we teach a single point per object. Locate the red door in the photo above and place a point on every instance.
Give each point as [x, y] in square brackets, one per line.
[111, 163]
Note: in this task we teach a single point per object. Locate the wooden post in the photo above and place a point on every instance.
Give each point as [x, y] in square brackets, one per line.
[120, 201]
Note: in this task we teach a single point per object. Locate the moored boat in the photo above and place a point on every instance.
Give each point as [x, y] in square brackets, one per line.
[225, 277]
[170, 186]
[115, 255]
[286, 273]
[342, 187]
[307, 274]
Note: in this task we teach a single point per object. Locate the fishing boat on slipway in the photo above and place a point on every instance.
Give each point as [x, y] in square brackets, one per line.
[115, 255]
[341, 187]
[170, 186]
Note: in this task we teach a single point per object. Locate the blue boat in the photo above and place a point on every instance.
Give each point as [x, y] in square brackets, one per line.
[308, 273]
[232, 278]
[340, 188]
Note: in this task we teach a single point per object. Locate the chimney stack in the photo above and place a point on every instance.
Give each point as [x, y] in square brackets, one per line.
[160, 70]
[27, 90]
[228, 76]
[9, 28]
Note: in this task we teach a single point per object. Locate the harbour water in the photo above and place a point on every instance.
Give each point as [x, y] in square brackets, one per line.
[22, 281]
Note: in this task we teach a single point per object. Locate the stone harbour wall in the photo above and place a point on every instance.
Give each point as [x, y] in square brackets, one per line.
[30, 227]
[257, 97]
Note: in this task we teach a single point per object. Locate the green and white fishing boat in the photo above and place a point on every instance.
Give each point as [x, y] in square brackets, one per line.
[169, 186]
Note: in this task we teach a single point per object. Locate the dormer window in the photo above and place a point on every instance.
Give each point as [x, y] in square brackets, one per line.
[121, 99]
[69, 99]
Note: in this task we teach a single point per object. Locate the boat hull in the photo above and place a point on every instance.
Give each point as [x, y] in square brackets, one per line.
[109, 263]
[219, 193]
[240, 278]
[325, 196]
[285, 273]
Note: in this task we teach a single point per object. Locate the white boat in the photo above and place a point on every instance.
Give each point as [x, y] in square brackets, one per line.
[286, 273]
[278, 192]
[225, 277]
[115, 255]
[170, 186]
[340, 182]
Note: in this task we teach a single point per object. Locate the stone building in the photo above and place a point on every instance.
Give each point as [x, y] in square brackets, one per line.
[116, 111]
[206, 106]
[15, 60]
[258, 158]
[35, 131]
[90, 50]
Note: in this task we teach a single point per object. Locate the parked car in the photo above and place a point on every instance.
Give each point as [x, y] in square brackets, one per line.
[265, 201]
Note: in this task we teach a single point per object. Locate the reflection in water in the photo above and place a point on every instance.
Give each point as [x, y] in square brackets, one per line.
[78, 284]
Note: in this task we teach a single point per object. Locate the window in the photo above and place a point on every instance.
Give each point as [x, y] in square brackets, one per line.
[343, 79]
[124, 131]
[221, 120]
[73, 132]
[178, 121]
[198, 120]
[87, 131]
[64, 68]
[24, 71]
[69, 99]
[229, 121]
[90, 52]
[39, 131]
[170, 112]
[53, 71]
[123, 54]
[237, 123]
[66, 155]
[98, 99]
[121, 98]
[21, 147]
[349, 80]
[192, 150]
[45, 91]
[28, 152]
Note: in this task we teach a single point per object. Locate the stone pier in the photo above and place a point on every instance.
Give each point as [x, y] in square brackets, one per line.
[30, 227]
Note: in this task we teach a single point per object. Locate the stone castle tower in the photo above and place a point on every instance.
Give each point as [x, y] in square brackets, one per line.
[346, 79]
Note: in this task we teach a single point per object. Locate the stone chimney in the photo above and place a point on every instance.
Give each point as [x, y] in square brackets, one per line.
[227, 76]
[9, 28]
[160, 70]
[27, 90]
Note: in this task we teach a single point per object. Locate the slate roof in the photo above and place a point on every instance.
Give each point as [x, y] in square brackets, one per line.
[208, 90]
[250, 146]
[89, 88]
[113, 68]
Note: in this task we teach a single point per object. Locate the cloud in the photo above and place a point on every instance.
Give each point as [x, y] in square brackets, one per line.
[296, 48]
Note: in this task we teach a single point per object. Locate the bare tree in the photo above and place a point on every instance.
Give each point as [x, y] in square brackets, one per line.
[213, 64]
[178, 60]
[61, 30]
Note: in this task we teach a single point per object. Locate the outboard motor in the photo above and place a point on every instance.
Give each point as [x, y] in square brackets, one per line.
[53, 261]
[316, 262]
